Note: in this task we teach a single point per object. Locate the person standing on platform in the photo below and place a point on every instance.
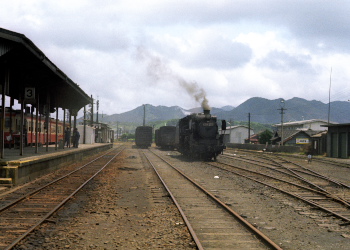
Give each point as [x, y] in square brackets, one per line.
[9, 138]
[76, 137]
[67, 137]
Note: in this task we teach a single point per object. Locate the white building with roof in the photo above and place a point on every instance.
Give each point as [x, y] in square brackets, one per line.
[313, 124]
[236, 134]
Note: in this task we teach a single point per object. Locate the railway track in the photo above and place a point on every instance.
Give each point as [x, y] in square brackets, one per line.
[19, 217]
[309, 186]
[319, 159]
[212, 224]
[299, 171]
[335, 188]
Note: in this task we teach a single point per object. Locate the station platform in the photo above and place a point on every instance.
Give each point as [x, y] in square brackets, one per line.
[17, 169]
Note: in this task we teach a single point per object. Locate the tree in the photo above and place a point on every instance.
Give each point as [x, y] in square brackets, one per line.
[265, 137]
[127, 136]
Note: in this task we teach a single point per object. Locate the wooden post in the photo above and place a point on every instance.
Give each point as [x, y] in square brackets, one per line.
[64, 127]
[56, 128]
[37, 124]
[21, 137]
[3, 112]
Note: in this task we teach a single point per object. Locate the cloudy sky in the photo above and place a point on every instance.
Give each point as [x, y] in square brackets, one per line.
[177, 52]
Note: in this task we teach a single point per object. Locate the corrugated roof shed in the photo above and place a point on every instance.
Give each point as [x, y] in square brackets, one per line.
[28, 66]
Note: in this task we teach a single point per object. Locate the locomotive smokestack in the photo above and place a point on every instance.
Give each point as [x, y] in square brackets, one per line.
[206, 111]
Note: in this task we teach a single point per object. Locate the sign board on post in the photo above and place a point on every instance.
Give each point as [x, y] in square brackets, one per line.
[302, 140]
[29, 95]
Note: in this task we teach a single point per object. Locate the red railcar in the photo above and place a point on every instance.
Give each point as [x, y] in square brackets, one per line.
[13, 128]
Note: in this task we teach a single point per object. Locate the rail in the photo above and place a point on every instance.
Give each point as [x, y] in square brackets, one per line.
[258, 234]
[45, 201]
[292, 186]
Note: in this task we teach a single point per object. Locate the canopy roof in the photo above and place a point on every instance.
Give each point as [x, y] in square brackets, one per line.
[28, 67]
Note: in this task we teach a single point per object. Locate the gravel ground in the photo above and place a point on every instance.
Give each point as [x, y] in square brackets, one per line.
[288, 222]
[126, 208]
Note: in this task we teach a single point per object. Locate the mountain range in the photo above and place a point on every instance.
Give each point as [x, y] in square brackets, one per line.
[261, 110]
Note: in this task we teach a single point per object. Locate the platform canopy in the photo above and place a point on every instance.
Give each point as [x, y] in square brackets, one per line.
[29, 71]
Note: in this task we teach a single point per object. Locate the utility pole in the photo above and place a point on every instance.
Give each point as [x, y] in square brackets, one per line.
[92, 111]
[329, 96]
[248, 127]
[117, 130]
[144, 114]
[97, 106]
[84, 131]
[282, 103]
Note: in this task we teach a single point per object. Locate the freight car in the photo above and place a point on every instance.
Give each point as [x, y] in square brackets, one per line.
[143, 136]
[156, 137]
[197, 136]
[166, 137]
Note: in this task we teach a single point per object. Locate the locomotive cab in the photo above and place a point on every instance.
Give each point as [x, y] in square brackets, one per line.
[223, 125]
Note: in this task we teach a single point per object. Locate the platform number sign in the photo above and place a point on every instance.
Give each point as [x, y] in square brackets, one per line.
[29, 93]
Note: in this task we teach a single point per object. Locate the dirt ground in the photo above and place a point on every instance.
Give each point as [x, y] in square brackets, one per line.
[124, 208]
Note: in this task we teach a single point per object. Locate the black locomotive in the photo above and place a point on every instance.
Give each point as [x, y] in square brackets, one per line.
[165, 137]
[198, 136]
[143, 136]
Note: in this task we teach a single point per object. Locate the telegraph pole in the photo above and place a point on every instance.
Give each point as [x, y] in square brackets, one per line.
[329, 96]
[117, 130]
[92, 111]
[144, 114]
[282, 113]
[97, 106]
[248, 127]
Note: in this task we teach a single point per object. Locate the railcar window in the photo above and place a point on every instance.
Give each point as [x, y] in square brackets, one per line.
[17, 127]
[7, 122]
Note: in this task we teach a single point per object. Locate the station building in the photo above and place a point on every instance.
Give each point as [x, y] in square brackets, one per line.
[293, 137]
[313, 124]
[40, 88]
[297, 133]
[43, 93]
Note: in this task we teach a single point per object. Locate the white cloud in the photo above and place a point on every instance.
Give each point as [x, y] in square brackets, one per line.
[233, 50]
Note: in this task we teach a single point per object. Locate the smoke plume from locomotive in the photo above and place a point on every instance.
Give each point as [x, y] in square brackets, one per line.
[158, 70]
[198, 93]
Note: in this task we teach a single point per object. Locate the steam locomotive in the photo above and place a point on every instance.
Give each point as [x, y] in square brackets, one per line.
[197, 136]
